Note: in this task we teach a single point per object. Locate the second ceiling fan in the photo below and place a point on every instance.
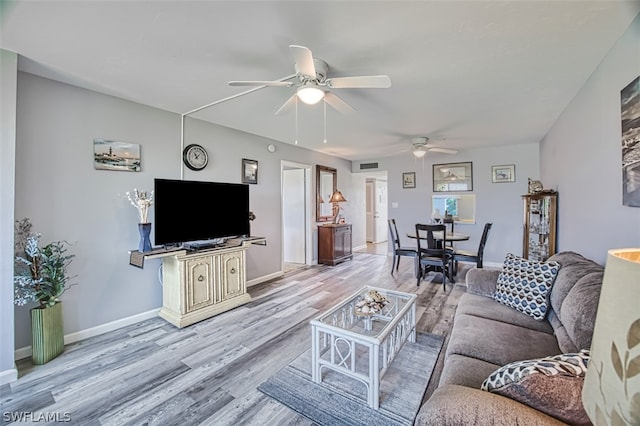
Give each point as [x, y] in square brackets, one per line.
[312, 83]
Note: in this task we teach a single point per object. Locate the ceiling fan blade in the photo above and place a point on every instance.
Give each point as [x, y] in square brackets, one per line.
[360, 82]
[304, 60]
[261, 83]
[338, 104]
[443, 150]
[287, 105]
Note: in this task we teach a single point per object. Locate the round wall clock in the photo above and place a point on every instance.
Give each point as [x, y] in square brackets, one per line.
[195, 157]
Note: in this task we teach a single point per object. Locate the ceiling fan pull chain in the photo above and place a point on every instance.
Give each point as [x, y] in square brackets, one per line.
[325, 121]
[296, 141]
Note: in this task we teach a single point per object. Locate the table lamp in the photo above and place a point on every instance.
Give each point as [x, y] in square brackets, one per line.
[611, 391]
[336, 198]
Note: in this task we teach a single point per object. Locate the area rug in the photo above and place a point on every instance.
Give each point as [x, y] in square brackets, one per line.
[340, 400]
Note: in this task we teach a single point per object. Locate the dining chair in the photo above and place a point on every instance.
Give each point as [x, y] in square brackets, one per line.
[471, 256]
[449, 223]
[435, 256]
[398, 249]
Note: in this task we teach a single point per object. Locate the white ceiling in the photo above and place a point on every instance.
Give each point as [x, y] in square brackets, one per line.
[465, 73]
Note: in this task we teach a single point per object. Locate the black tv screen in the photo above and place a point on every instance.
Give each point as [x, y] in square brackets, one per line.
[188, 211]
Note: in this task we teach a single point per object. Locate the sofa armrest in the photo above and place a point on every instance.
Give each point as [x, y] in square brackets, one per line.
[482, 281]
[460, 405]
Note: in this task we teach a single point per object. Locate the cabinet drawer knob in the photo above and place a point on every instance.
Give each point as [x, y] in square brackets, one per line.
[200, 277]
[233, 270]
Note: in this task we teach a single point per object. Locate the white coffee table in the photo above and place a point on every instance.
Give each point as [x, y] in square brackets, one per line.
[339, 338]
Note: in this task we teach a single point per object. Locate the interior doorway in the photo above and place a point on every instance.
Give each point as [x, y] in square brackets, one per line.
[296, 216]
[376, 207]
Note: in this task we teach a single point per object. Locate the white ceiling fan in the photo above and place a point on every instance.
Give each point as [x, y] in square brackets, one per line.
[421, 146]
[312, 82]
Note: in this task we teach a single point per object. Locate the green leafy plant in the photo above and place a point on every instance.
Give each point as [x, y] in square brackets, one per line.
[40, 273]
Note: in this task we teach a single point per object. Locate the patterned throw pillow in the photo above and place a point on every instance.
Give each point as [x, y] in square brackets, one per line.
[552, 385]
[525, 284]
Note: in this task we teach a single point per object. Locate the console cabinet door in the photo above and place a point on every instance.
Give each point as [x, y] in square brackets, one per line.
[334, 243]
[343, 242]
[200, 283]
[232, 274]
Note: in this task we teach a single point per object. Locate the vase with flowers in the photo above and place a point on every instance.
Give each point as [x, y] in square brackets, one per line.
[41, 275]
[142, 201]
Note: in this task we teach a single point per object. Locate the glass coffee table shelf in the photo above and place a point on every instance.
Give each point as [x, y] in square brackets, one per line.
[362, 347]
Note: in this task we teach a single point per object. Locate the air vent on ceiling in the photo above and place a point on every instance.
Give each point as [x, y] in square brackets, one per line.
[366, 166]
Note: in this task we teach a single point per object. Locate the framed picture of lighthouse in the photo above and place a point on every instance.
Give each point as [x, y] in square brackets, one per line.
[113, 155]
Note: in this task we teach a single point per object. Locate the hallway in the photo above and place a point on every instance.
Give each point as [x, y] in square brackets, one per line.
[380, 248]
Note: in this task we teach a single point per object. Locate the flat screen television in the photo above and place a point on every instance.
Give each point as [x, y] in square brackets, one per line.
[187, 211]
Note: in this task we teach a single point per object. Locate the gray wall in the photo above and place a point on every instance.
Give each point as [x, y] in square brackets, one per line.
[66, 198]
[499, 203]
[581, 156]
[8, 71]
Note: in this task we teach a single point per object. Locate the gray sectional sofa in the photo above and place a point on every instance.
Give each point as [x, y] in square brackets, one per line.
[487, 335]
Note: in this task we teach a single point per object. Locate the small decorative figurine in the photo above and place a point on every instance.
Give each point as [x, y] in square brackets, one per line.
[535, 186]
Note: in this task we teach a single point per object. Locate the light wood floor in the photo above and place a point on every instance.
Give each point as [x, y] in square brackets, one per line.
[154, 373]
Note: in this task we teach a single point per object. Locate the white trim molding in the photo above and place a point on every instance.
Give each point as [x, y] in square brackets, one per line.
[8, 376]
[94, 331]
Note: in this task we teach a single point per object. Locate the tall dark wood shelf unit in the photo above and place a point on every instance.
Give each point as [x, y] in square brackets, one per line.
[540, 215]
[334, 243]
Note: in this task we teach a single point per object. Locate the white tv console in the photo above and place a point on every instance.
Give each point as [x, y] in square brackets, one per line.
[202, 283]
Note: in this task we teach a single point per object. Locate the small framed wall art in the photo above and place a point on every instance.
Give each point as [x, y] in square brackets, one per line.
[409, 180]
[505, 173]
[249, 171]
[114, 155]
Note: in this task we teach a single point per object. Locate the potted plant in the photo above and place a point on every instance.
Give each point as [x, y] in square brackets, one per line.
[41, 275]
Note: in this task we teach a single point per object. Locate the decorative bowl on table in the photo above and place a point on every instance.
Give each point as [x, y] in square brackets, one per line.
[371, 304]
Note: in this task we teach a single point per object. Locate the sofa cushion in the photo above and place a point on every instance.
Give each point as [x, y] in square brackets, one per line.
[574, 267]
[454, 405]
[498, 342]
[485, 307]
[564, 341]
[552, 385]
[465, 371]
[524, 285]
[579, 309]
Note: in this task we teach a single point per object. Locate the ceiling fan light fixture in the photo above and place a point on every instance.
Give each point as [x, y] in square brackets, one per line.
[419, 152]
[310, 95]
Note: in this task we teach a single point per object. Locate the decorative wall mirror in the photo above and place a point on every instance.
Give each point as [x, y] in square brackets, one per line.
[326, 185]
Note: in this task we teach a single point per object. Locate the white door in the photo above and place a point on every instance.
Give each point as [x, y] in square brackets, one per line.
[293, 212]
[370, 207]
[380, 212]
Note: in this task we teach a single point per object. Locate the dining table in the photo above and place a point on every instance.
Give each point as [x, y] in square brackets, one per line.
[451, 236]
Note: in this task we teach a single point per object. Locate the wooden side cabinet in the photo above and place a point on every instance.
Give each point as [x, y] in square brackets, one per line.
[334, 244]
[197, 285]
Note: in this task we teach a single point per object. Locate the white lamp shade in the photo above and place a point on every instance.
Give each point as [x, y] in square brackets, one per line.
[611, 391]
[419, 152]
[310, 95]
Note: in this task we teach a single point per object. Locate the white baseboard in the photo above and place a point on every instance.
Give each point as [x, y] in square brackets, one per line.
[114, 325]
[94, 331]
[264, 278]
[362, 247]
[8, 376]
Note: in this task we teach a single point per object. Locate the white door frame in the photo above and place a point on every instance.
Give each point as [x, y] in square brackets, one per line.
[308, 252]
